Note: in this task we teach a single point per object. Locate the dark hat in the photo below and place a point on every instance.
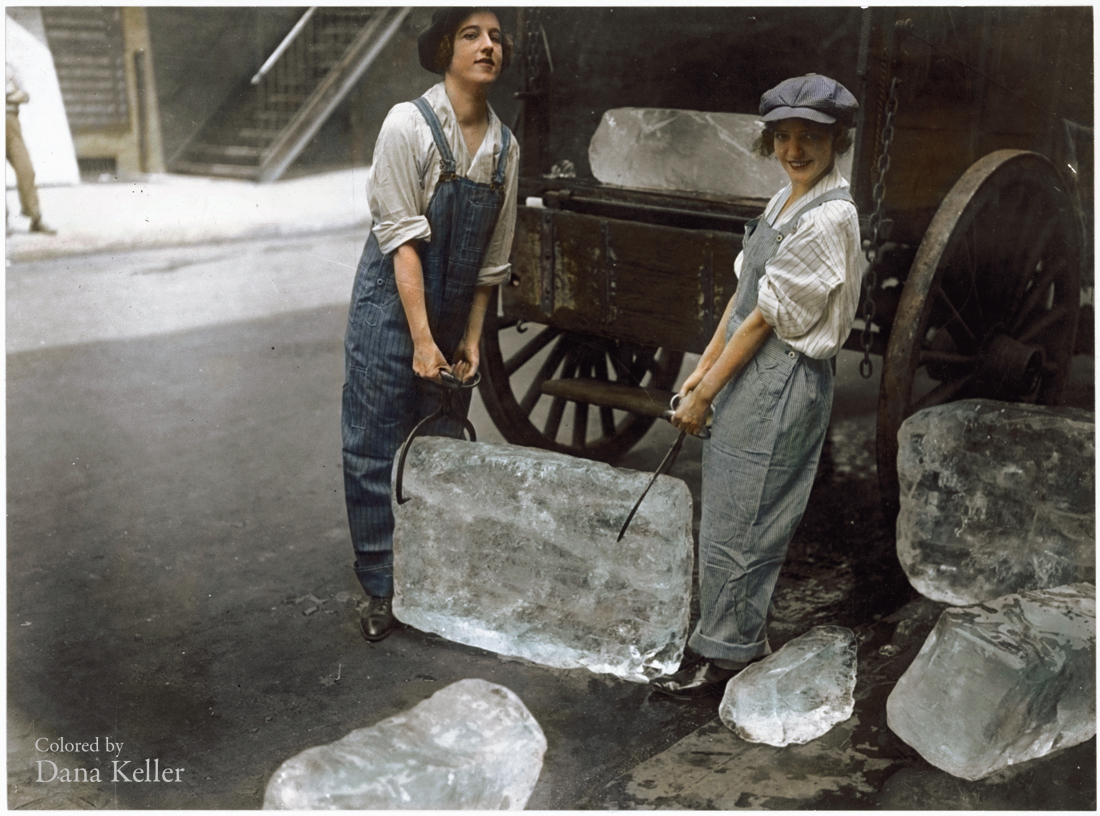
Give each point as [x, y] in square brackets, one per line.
[444, 22]
[814, 97]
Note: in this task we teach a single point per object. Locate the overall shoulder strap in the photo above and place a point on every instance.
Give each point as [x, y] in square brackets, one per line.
[505, 144]
[839, 194]
[446, 158]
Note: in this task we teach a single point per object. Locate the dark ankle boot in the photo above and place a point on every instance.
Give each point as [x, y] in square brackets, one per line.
[376, 620]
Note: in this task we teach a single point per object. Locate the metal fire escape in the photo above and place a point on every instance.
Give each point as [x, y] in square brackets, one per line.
[267, 121]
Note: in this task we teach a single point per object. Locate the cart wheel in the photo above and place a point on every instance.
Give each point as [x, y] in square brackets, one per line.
[989, 307]
[532, 354]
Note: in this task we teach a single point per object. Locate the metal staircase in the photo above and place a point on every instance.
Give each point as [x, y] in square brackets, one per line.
[266, 122]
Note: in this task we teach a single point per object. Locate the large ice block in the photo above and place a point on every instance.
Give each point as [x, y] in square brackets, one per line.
[798, 693]
[470, 746]
[514, 550]
[684, 150]
[996, 498]
[1004, 682]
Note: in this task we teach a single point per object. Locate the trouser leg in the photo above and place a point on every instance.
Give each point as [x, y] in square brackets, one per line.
[20, 160]
[374, 422]
[368, 456]
[753, 500]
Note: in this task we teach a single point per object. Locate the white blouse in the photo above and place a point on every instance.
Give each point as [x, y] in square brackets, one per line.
[406, 170]
[810, 288]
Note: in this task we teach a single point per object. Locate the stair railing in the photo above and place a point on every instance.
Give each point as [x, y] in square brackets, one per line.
[325, 86]
[283, 46]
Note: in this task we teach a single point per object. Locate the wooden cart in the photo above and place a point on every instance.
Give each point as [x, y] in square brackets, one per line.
[972, 170]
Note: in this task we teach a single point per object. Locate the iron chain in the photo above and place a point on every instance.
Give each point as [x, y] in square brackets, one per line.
[873, 247]
[532, 52]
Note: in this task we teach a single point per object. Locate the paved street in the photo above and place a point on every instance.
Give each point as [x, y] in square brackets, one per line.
[179, 565]
[176, 506]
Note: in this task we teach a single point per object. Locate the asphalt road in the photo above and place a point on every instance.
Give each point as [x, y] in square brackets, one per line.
[175, 513]
[179, 572]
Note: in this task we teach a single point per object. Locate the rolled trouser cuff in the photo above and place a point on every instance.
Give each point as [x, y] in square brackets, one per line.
[375, 573]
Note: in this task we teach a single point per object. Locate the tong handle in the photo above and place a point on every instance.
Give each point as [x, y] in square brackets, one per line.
[674, 403]
[449, 380]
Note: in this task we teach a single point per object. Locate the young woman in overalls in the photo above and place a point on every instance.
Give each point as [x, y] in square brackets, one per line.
[768, 376]
[443, 207]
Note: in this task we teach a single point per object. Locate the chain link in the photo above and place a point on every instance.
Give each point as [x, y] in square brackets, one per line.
[532, 52]
[874, 246]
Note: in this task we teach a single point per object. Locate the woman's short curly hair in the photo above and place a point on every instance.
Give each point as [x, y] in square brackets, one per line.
[842, 140]
[446, 50]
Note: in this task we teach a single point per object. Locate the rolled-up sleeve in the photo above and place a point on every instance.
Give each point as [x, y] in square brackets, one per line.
[497, 263]
[396, 183]
[808, 268]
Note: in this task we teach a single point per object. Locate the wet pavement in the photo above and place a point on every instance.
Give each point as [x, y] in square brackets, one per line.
[179, 572]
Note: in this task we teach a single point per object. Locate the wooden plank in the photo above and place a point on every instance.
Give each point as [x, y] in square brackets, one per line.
[642, 283]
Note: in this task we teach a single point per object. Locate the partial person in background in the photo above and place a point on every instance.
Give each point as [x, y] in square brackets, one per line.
[17, 153]
[442, 195]
[768, 374]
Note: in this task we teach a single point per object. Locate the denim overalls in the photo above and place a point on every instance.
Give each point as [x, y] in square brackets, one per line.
[758, 467]
[383, 399]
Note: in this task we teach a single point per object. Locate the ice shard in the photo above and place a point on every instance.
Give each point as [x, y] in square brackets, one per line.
[1004, 682]
[688, 151]
[996, 498]
[471, 746]
[798, 693]
[514, 550]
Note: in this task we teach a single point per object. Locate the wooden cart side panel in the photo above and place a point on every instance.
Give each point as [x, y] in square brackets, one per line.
[638, 283]
[973, 81]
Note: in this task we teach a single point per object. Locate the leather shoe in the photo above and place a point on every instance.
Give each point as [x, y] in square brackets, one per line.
[376, 620]
[699, 679]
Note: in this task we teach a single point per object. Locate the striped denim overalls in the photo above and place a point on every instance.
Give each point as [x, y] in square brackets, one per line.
[758, 467]
[383, 399]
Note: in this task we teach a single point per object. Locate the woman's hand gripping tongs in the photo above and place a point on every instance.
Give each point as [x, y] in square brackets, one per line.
[451, 386]
[667, 462]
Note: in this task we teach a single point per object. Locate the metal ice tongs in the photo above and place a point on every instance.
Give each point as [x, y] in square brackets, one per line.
[451, 386]
[667, 462]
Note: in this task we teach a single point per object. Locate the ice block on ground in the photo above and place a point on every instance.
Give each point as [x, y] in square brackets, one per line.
[689, 151]
[798, 693]
[1004, 682]
[996, 498]
[471, 746]
[514, 550]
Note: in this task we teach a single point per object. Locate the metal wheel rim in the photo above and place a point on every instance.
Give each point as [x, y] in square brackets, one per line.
[1029, 184]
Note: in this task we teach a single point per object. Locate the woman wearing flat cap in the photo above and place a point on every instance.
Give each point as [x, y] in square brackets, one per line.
[442, 196]
[767, 374]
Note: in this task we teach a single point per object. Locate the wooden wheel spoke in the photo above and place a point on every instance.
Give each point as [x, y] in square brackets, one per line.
[529, 350]
[580, 423]
[1032, 251]
[1037, 295]
[944, 392]
[581, 367]
[1047, 321]
[554, 417]
[969, 261]
[607, 421]
[534, 391]
[641, 366]
[959, 321]
[620, 363]
[929, 356]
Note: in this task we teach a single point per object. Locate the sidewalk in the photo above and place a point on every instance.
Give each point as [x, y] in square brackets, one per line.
[170, 210]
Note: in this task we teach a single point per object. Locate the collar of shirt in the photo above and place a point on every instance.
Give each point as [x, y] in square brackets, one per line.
[830, 181]
[441, 104]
